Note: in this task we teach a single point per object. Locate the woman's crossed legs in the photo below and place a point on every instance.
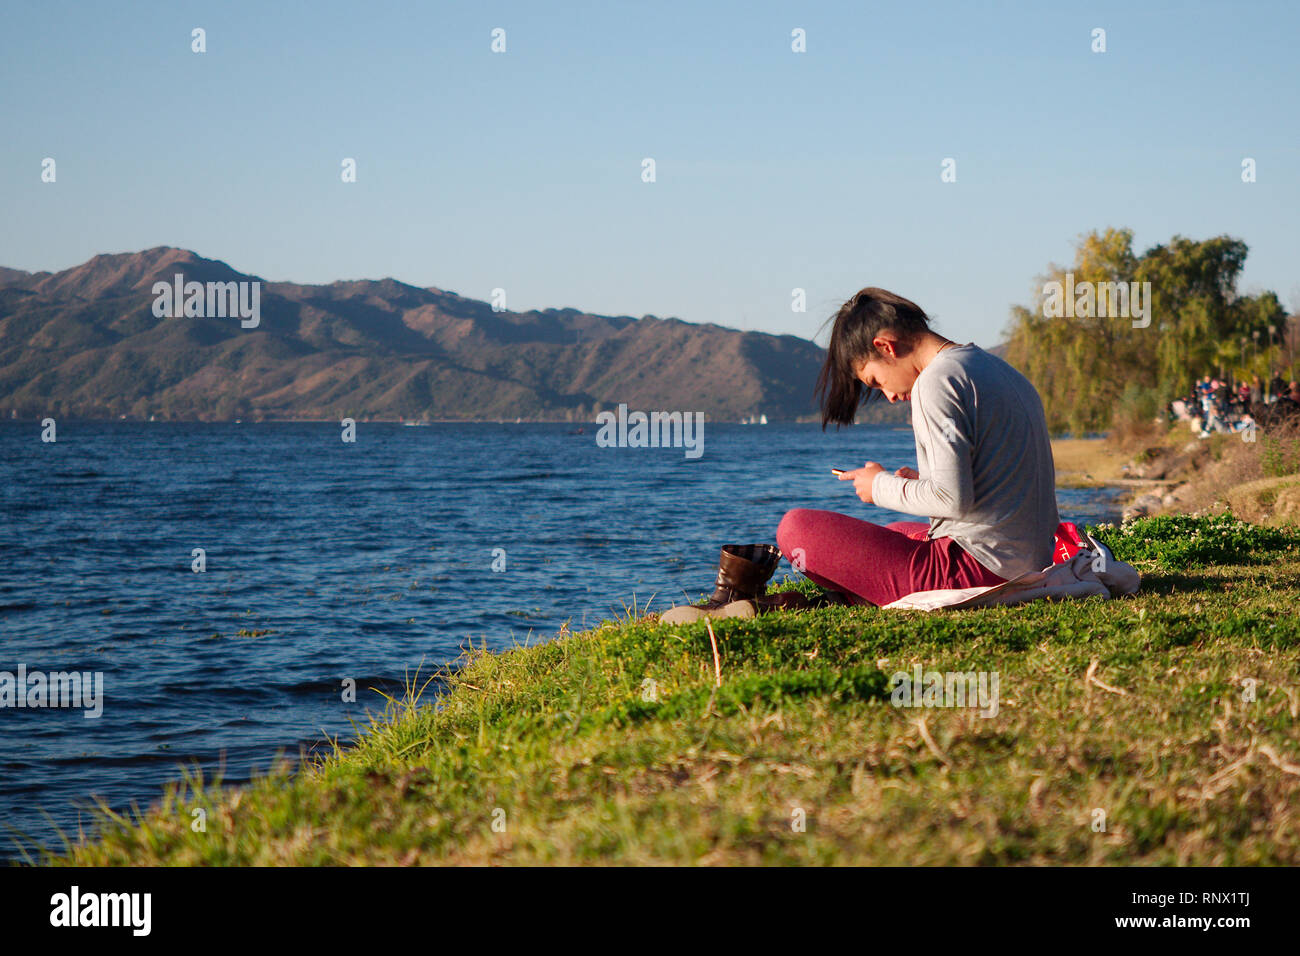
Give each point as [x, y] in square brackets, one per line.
[875, 564]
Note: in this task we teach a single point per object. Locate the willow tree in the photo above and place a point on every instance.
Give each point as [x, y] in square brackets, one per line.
[1080, 364]
[1097, 358]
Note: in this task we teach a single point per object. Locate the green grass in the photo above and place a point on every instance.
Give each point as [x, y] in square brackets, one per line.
[1178, 542]
[616, 746]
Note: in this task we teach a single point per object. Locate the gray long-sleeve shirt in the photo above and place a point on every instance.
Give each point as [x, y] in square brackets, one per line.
[985, 461]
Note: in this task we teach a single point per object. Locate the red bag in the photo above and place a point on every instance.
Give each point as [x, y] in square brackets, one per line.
[1069, 542]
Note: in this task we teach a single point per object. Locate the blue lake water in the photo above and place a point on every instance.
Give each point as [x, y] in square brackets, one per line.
[361, 561]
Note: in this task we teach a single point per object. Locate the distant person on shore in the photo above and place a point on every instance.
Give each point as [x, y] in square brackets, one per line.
[1282, 410]
[1205, 403]
[1288, 403]
[986, 480]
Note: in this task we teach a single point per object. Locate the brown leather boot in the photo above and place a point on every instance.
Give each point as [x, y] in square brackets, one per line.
[743, 573]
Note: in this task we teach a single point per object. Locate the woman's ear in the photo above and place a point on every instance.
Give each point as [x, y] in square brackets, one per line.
[885, 347]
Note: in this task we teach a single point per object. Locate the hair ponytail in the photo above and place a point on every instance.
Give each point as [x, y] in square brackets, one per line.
[855, 328]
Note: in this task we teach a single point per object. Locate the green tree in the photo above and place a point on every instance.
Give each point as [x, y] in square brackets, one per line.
[1091, 368]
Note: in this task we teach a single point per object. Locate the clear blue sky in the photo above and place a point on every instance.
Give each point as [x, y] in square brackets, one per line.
[522, 170]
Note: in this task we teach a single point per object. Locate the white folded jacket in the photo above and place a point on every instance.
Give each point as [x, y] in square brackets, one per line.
[1094, 571]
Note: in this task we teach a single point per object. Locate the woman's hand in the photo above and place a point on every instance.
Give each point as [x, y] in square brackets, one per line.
[862, 478]
[906, 472]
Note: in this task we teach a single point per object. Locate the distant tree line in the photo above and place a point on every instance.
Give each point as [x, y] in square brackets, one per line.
[1093, 368]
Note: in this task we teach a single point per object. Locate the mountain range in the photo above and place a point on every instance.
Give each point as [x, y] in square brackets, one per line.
[86, 343]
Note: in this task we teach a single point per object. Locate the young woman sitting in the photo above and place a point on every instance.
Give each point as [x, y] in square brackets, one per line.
[985, 478]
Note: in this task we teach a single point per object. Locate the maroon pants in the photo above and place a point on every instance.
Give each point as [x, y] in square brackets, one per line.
[875, 564]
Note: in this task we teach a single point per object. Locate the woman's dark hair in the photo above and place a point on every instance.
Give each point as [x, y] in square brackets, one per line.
[856, 326]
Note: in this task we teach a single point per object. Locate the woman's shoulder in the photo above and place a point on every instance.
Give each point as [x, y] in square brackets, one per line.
[949, 373]
[964, 365]
[960, 361]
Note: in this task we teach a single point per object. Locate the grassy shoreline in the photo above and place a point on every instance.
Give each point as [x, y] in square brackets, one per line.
[624, 745]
